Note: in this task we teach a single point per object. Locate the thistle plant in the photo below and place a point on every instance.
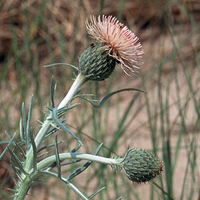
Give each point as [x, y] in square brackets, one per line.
[114, 44]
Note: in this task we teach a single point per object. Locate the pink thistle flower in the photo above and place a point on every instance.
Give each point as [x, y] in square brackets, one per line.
[118, 40]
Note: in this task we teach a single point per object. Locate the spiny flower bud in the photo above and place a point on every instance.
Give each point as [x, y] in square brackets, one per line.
[95, 63]
[141, 165]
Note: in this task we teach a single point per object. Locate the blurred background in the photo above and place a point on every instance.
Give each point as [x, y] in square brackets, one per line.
[166, 119]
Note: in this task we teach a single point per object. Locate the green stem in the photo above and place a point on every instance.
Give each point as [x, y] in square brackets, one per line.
[62, 156]
[25, 183]
[24, 186]
[26, 180]
[80, 80]
[39, 137]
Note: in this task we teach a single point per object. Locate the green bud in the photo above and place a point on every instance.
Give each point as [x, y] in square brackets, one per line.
[141, 165]
[95, 63]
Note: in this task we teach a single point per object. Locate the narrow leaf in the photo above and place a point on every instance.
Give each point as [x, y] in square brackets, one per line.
[21, 150]
[85, 166]
[52, 91]
[3, 142]
[21, 131]
[108, 96]
[7, 147]
[57, 157]
[34, 151]
[97, 192]
[17, 162]
[49, 145]
[29, 116]
[118, 91]
[25, 130]
[54, 64]
[64, 128]
[39, 156]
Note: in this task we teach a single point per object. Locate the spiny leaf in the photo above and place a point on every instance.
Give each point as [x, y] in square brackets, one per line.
[108, 96]
[95, 193]
[21, 131]
[39, 156]
[85, 166]
[118, 91]
[54, 130]
[34, 151]
[25, 128]
[63, 110]
[9, 143]
[70, 185]
[21, 150]
[17, 162]
[54, 64]
[29, 116]
[4, 142]
[50, 145]
[52, 92]
[64, 128]
[12, 190]
[88, 100]
[70, 162]
[57, 157]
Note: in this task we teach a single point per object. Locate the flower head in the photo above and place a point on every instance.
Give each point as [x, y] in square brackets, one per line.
[141, 165]
[95, 64]
[120, 43]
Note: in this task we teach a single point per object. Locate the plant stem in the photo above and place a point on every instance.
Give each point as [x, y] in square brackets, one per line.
[80, 80]
[25, 184]
[26, 180]
[39, 137]
[62, 156]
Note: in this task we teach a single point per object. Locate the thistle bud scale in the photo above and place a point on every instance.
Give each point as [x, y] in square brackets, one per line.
[141, 165]
[95, 63]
